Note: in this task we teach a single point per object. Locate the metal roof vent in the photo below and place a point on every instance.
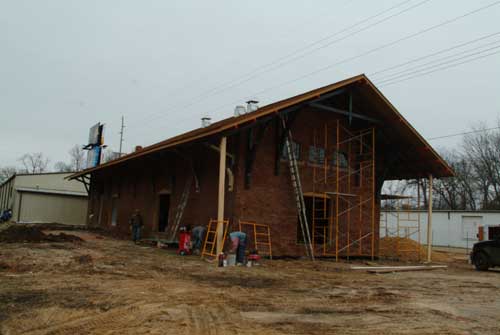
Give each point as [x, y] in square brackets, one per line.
[206, 121]
[239, 110]
[252, 106]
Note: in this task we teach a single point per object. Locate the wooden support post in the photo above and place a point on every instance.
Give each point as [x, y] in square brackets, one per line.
[337, 190]
[220, 207]
[429, 223]
[373, 193]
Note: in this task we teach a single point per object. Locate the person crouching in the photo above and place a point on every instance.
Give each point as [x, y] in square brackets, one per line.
[238, 245]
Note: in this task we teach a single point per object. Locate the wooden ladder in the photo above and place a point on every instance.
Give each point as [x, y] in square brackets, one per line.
[261, 237]
[299, 195]
[180, 208]
[209, 246]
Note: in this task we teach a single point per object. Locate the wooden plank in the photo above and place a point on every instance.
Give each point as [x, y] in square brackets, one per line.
[389, 269]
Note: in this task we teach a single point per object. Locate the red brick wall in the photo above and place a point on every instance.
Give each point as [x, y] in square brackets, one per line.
[269, 200]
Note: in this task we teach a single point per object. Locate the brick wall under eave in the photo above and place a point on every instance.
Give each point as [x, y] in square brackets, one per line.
[270, 199]
[139, 183]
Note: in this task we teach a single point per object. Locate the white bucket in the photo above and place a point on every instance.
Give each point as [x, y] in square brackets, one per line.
[231, 260]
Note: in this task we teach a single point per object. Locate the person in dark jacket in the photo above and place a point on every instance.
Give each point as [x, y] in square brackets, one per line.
[198, 235]
[136, 225]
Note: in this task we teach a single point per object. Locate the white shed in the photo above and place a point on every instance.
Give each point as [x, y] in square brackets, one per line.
[44, 197]
[449, 228]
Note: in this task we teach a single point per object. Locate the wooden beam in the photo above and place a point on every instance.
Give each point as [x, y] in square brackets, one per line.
[252, 146]
[343, 112]
[329, 95]
[215, 148]
[350, 108]
[429, 222]
[220, 205]
[85, 183]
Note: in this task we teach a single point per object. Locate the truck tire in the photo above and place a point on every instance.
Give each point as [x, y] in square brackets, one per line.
[481, 261]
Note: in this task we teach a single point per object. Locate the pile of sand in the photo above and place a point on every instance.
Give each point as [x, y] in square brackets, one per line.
[23, 233]
[406, 249]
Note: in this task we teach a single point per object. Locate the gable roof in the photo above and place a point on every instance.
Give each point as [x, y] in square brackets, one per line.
[429, 161]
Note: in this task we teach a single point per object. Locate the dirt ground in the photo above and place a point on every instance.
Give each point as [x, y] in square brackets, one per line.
[106, 286]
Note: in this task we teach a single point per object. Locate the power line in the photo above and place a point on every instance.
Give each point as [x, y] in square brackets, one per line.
[206, 75]
[463, 133]
[278, 62]
[254, 75]
[434, 53]
[469, 52]
[405, 38]
[439, 69]
[421, 68]
[370, 51]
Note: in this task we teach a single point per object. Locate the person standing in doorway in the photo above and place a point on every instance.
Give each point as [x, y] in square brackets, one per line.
[136, 225]
[238, 245]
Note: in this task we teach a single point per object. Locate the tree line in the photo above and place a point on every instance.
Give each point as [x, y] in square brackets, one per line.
[476, 185]
[37, 162]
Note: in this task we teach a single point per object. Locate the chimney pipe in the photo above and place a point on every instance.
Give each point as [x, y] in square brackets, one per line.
[205, 121]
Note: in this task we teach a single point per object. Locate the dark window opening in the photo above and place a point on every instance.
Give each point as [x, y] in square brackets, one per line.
[164, 206]
[318, 224]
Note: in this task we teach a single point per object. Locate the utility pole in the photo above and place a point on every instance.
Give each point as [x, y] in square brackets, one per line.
[121, 136]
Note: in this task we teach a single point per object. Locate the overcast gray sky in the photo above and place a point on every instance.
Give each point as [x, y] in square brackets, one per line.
[65, 65]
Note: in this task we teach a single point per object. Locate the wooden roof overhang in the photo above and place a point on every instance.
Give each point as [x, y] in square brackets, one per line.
[405, 153]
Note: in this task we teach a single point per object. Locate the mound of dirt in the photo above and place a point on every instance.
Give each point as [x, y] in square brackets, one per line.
[22, 233]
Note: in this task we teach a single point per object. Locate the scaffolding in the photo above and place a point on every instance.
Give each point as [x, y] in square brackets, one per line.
[210, 243]
[261, 234]
[342, 202]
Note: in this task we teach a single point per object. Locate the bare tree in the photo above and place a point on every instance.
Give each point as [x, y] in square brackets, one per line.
[6, 172]
[34, 162]
[62, 167]
[482, 150]
[455, 192]
[77, 156]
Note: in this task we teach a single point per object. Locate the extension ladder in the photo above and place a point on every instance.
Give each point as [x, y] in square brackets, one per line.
[261, 237]
[299, 196]
[180, 208]
[209, 246]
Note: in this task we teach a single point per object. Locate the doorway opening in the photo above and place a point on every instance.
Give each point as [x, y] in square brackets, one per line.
[164, 206]
[318, 211]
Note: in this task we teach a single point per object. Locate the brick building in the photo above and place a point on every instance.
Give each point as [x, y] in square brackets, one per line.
[347, 138]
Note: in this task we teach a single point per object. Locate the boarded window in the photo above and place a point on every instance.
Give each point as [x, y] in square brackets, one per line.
[316, 155]
[114, 211]
[342, 159]
[296, 148]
